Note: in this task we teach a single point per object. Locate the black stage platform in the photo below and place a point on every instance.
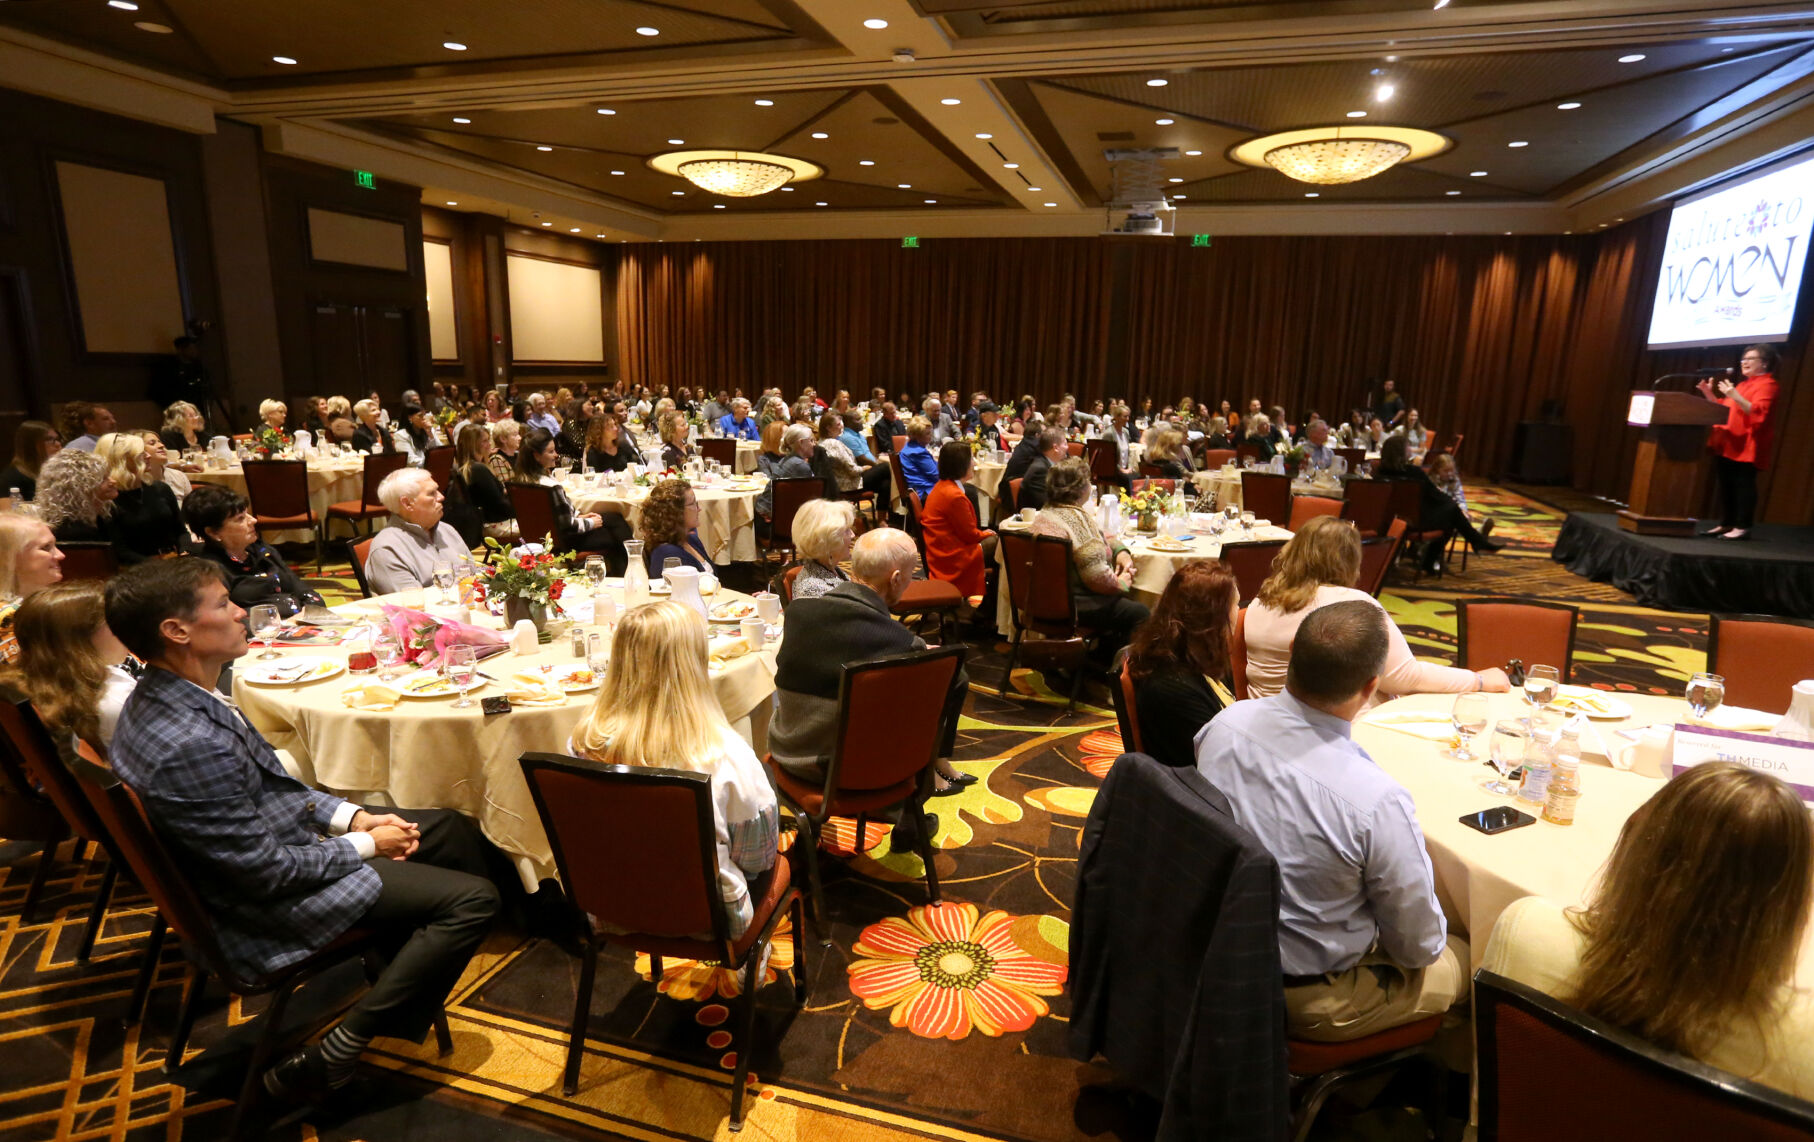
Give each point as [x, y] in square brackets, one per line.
[1771, 573]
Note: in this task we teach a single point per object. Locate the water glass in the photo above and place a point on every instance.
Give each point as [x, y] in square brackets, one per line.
[1247, 525]
[1506, 755]
[462, 671]
[598, 654]
[596, 572]
[1540, 685]
[1468, 716]
[387, 652]
[266, 621]
[1705, 692]
[669, 564]
[444, 580]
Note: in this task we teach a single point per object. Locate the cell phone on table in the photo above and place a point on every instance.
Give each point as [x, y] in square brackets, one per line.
[1498, 819]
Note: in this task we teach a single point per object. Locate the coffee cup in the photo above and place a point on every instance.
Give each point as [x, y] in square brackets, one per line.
[1650, 755]
[1027, 514]
[753, 628]
[768, 606]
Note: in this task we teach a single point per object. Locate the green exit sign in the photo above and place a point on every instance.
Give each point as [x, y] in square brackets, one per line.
[910, 242]
[366, 179]
[1199, 239]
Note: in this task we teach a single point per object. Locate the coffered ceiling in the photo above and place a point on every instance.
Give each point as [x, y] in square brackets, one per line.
[958, 116]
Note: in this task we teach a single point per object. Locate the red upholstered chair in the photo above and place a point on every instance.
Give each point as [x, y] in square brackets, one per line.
[1127, 711]
[899, 443]
[438, 462]
[720, 448]
[360, 552]
[278, 491]
[1039, 591]
[181, 909]
[85, 559]
[636, 850]
[786, 583]
[1014, 492]
[1760, 657]
[1369, 504]
[871, 771]
[1376, 558]
[925, 597]
[1319, 1069]
[1216, 457]
[1251, 563]
[535, 514]
[1267, 496]
[1489, 632]
[40, 803]
[1454, 448]
[1306, 508]
[1151, 471]
[1600, 1081]
[1246, 452]
[1075, 447]
[1237, 653]
[367, 507]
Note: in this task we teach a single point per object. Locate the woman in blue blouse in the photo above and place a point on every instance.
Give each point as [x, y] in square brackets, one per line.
[670, 527]
[918, 463]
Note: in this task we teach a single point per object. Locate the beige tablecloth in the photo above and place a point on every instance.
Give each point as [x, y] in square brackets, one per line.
[985, 476]
[330, 482]
[1225, 484]
[426, 754]
[727, 516]
[747, 451]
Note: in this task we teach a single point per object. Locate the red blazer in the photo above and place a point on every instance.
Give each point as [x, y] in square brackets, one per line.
[954, 550]
[1746, 436]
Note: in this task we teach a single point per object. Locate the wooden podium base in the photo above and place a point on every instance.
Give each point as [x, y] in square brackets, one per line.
[1657, 524]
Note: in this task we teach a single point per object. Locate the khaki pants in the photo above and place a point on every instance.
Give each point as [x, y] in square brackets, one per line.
[1376, 995]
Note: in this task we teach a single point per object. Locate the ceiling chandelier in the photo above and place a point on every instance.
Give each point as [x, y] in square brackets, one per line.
[1331, 156]
[735, 174]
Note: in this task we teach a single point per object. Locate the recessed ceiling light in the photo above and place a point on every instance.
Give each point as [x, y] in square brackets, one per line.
[866, 162]
[573, 230]
[819, 204]
[676, 142]
[1051, 204]
[1391, 59]
[1441, 4]
[904, 186]
[547, 223]
[1569, 106]
[765, 102]
[1164, 122]
[1357, 114]
[787, 190]
[1312, 194]
[1476, 174]
[1508, 233]
[285, 60]
[676, 193]
[544, 147]
[1384, 92]
[932, 202]
[1011, 166]
[717, 206]
[1451, 193]
[820, 135]
[873, 25]
[646, 31]
[1518, 143]
[453, 45]
[1034, 189]
[461, 119]
[1157, 82]
[1177, 196]
[451, 203]
[598, 235]
[1193, 154]
[606, 111]
[984, 135]
[617, 172]
[1634, 57]
[154, 28]
[123, 5]
[951, 102]
[1174, 180]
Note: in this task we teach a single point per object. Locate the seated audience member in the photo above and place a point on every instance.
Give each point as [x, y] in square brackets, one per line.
[877, 476]
[834, 456]
[338, 408]
[1215, 434]
[1317, 567]
[718, 406]
[1281, 431]
[587, 532]
[1691, 937]
[506, 435]
[371, 429]
[147, 519]
[957, 550]
[1102, 574]
[541, 416]
[1446, 475]
[1412, 429]
[29, 562]
[576, 421]
[419, 431]
[285, 869]
[823, 533]
[69, 663]
[657, 709]
[182, 429]
[1025, 452]
[311, 413]
[477, 485]
[1179, 660]
[670, 528]
[1052, 451]
[274, 414]
[34, 443]
[852, 623]
[1437, 510]
[1167, 454]
[1316, 446]
[786, 455]
[918, 464]
[607, 450]
[675, 451]
[987, 430]
[85, 423]
[404, 554]
[75, 497]
[160, 470]
[737, 423]
[939, 418]
[888, 426]
[1259, 437]
[1374, 438]
[1362, 939]
[255, 573]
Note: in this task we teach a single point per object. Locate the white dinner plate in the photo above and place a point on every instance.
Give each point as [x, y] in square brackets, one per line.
[575, 679]
[433, 684]
[733, 611]
[1612, 708]
[292, 672]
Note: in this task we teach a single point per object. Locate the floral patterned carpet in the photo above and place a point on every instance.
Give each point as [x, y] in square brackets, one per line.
[919, 1022]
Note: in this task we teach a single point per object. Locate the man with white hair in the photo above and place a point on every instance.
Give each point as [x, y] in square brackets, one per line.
[943, 428]
[738, 423]
[404, 554]
[541, 417]
[852, 622]
[1316, 445]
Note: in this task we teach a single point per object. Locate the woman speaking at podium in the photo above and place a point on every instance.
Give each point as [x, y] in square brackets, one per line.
[1743, 442]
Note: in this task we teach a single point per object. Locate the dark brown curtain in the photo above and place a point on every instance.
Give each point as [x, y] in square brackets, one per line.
[1479, 332]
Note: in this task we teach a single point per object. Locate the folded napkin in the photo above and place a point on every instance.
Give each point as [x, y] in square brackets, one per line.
[723, 652]
[1427, 724]
[527, 689]
[1736, 718]
[370, 696]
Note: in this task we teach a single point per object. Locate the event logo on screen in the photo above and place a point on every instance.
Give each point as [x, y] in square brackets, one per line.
[1732, 267]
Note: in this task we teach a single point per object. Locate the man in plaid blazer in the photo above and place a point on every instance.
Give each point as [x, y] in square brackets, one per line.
[283, 868]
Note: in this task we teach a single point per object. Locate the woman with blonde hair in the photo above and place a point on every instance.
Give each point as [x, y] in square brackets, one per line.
[507, 435]
[182, 428]
[75, 497]
[478, 485]
[823, 533]
[371, 430]
[1318, 567]
[656, 709]
[338, 407]
[147, 519]
[1691, 935]
[273, 413]
[671, 426]
[69, 663]
[1167, 454]
[158, 468]
[670, 527]
[29, 562]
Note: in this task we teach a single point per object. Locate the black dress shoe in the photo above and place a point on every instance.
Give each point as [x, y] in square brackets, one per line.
[1487, 543]
[906, 837]
[299, 1079]
[1487, 527]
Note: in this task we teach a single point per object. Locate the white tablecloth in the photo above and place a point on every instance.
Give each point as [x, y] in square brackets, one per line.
[727, 514]
[330, 482]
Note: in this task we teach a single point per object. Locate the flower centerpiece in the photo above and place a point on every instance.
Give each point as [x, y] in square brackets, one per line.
[1296, 458]
[527, 578]
[445, 420]
[1146, 504]
[268, 442]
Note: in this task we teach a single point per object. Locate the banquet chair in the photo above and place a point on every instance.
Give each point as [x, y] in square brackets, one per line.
[1251, 563]
[1014, 494]
[1216, 457]
[359, 552]
[182, 910]
[1237, 654]
[720, 448]
[1127, 711]
[1761, 657]
[868, 771]
[1039, 594]
[1368, 503]
[1407, 504]
[925, 596]
[535, 514]
[1306, 508]
[1491, 632]
[899, 443]
[789, 496]
[367, 507]
[1602, 1081]
[1376, 558]
[278, 491]
[1454, 447]
[1318, 1070]
[784, 583]
[1164, 484]
[636, 850]
[1074, 448]
[1246, 452]
[1105, 462]
[1267, 496]
[438, 462]
[902, 489]
[1354, 456]
[85, 559]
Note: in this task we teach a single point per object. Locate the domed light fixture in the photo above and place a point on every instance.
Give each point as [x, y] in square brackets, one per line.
[736, 174]
[1331, 156]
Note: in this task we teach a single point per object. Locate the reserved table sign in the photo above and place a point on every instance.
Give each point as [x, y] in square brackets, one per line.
[1792, 761]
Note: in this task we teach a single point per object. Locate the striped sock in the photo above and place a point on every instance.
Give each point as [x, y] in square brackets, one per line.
[340, 1050]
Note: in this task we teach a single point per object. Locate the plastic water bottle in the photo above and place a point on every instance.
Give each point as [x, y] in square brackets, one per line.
[1539, 763]
[18, 499]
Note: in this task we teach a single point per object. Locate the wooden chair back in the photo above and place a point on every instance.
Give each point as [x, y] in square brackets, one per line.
[1251, 563]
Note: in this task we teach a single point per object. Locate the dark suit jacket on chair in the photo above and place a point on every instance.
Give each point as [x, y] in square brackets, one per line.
[1033, 484]
[1175, 974]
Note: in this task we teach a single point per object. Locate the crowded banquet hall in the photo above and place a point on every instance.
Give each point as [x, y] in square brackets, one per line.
[1032, 571]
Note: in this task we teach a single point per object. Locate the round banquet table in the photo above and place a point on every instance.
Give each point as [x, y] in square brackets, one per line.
[985, 476]
[747, 451]
[1478, 876]
[727, 513]
[1225, 484]
[426, 754]
[330, 482]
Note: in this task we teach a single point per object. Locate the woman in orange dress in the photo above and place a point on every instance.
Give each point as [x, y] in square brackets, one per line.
[956, 549]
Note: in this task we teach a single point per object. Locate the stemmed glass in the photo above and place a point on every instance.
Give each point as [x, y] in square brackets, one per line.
[1507, 754]
[266, 621]
[1705, 692]
[596, 572]
[462, 671]
[1246, 525]
[387, 649]
[1541, 684]
[669, 564]
[1469, 717]
[444, 579]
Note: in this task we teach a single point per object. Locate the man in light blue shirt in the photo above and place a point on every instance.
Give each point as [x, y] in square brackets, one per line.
[738, 423]
[1316, 446]
[540, 417]
[1362, 938]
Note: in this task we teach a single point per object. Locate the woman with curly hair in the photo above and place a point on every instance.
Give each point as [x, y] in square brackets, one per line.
[670, 527]
[606, 449]
[75, 497]
[1179, 660]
